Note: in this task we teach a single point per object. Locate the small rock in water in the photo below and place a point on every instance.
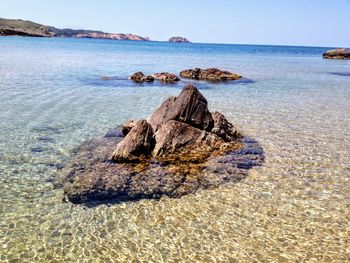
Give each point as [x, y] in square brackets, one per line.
[340, 53]
[166, 77]
[139, 77]
[106, 78]
[209, 74]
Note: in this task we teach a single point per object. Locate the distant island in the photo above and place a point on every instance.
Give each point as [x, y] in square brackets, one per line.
[18, 27]
[179, 40]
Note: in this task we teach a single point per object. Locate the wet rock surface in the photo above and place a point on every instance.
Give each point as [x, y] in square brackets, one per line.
[189, 107]
[126, 128]
[223, 128]
[209, 74]
[184, 148]
[139, 77]
[139, 142]
[340, 53]
[166, 77]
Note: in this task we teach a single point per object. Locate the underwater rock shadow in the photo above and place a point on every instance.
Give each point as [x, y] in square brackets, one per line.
[93, 180]
[342, 74]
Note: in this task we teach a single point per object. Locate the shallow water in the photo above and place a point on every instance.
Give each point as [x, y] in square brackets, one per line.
[296, 207]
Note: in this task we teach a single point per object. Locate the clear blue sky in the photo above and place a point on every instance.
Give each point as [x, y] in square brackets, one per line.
[289, 22]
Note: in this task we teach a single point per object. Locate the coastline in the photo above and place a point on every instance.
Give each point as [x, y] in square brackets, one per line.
[54, 99]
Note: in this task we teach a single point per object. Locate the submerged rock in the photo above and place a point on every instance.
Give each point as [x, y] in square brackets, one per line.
[166, 77]
[184, 148]
[210, 74]
[340, 53]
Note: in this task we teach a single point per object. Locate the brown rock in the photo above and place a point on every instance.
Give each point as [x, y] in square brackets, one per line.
[126, 128]
[166, 77]
[161, 114]
[210, 74]
[137, 144]
[139, 77]
[223, 128]
[189, 107]
[182, 140]
[340, 53]
[189, 151]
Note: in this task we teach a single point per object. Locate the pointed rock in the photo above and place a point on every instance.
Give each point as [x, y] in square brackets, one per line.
[138, 143]
[189, 107]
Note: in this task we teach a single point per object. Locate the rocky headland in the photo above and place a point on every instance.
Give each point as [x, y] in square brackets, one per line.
[340, 53]
[18, 27]
[180, 148]
[179, 40]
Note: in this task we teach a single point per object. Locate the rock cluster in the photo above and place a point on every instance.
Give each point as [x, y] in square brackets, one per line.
[139, 77]
[210, 74]
[181, 148]
[166, 77]
[340, 53]
[181, 124]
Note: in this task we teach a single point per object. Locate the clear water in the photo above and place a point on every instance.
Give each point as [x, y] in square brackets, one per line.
[294, 208]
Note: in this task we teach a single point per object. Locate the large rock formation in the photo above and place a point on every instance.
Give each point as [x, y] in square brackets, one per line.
[210, 74]
[340, 53]
[179, 40]
[182, 149]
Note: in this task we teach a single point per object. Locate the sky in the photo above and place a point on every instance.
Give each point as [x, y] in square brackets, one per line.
[276, 22]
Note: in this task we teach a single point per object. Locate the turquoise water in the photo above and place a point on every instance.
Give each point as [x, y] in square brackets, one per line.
[295, 207]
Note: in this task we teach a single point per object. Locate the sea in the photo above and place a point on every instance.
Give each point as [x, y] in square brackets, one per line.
[56, 93]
